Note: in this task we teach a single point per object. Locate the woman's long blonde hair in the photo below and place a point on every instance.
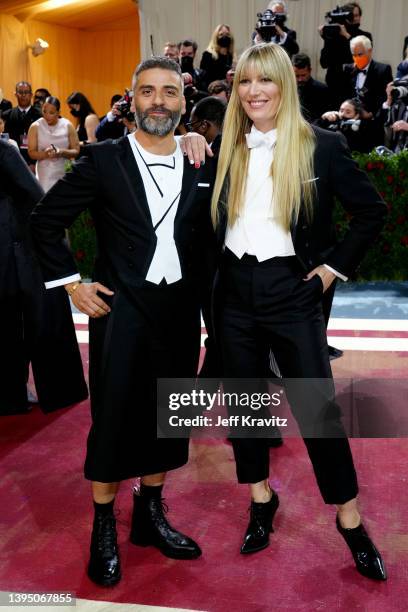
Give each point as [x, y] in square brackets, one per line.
[213, 46]
[292, 168]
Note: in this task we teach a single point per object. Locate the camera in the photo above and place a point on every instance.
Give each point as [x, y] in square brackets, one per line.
[265, 26]
[344, 125]
[123, 105]
[334, 19]
[399, 92]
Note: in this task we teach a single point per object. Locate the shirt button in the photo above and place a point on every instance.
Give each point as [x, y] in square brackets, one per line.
[131, 265]
[131, 247]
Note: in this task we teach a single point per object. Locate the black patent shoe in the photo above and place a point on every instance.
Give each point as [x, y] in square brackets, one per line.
[260, 525]
[366, 557]
[151, 528]
[104, 563]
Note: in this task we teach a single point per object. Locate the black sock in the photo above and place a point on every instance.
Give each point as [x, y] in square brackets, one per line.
[148, 491]
[104, 509]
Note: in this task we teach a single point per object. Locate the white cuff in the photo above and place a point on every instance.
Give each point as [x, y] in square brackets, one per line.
[110, 116]
[343, 278]
[62, 281]
[283, 39]
[385, 105]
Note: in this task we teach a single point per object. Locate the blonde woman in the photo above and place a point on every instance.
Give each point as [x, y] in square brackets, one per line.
[218, 57]
[272, 206]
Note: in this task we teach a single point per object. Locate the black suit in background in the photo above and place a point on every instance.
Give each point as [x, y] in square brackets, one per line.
[373, 93]
[35, 325]
[268, 304]
[290, 45]
[214, 69]
[314, 99]
[334, 54]
[17, 126]
[362, 140]
[5, 105]
[153, 331]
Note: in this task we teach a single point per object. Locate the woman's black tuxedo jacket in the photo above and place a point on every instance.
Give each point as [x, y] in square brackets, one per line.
[336, 175]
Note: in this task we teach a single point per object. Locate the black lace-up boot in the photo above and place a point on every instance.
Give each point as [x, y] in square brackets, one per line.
[151, 528]
[104, 563]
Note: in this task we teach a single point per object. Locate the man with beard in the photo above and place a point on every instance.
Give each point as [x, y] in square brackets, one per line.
[151, 212]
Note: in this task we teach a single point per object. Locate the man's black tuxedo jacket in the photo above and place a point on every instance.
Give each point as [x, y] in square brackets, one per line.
[336, 176]
[35, 324]
[314, 99]
[17, 125]
[378, 77]
[107, 181]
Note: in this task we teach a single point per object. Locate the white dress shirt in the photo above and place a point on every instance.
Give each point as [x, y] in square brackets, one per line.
[164, 173]
[361, 78]
[162, 177]
[256, 230]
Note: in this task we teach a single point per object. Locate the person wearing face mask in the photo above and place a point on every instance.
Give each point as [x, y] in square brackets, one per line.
[336, 52]
[217, 59]
[88, 120]
[367, 79]
[51, 141]
[187, 53]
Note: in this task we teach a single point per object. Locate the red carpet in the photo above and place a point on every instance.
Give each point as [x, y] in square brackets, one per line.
[46, 513]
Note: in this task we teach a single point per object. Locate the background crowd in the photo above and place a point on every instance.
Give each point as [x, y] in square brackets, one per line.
[360, 97]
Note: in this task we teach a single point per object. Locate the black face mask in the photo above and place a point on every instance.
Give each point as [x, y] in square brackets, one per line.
[187, 64]
[75, 113]
[224, 41]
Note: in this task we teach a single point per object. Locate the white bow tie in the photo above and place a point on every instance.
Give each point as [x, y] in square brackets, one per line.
[259, 139]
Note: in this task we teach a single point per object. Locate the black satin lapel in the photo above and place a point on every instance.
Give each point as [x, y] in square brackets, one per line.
[132, 177]
[190, 178]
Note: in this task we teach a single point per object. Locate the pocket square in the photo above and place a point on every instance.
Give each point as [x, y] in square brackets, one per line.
[203, 184]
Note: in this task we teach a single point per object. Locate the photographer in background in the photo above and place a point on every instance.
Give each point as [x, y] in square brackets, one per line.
[313, 95]
[270, 28]
[342, 25]
[359, 133]
[396, 113]
[119, 121]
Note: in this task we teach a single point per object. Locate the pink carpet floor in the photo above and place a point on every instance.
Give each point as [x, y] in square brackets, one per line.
[46, 514]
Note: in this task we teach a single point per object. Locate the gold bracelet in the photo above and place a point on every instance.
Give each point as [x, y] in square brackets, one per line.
[74, 287]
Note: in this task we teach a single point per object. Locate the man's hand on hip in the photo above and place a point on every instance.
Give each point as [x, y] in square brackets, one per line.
[85, 298]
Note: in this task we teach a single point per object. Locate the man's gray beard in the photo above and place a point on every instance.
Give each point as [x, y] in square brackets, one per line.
[157, 126]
